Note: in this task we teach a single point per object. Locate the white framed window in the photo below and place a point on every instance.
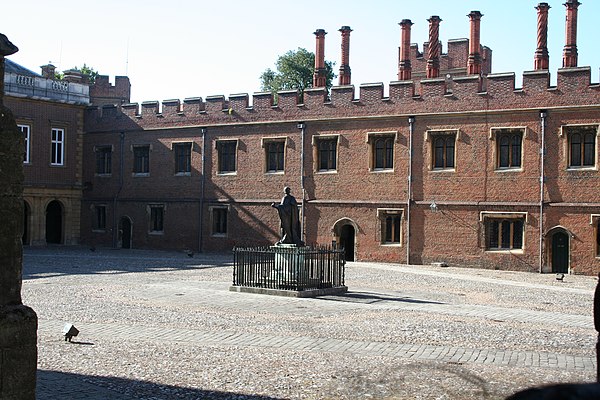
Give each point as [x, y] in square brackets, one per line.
[57, 156]
[26, 131]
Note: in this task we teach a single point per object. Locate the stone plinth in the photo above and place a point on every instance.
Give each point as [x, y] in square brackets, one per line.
[289, 265]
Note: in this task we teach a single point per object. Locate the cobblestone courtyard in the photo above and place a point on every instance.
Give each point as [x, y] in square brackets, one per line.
[161, 325]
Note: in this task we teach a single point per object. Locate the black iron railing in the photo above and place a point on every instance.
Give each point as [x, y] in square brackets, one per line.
[289, 268]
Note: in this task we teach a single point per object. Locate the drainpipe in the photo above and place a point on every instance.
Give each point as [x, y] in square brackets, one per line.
[411, 129]
[543, 115]
[202, 191]
[302, 127]
[121, 164]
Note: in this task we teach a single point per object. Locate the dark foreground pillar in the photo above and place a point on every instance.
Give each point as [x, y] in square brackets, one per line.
[18, 323]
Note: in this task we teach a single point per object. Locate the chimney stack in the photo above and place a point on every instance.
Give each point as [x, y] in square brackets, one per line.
[433, 53]
[404, 67]
[541, 53]
[48, 71]
[474, 62]
[345, 66]
[570, 50]
[320, 74]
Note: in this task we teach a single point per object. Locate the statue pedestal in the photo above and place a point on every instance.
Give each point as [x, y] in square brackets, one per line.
[289, 266]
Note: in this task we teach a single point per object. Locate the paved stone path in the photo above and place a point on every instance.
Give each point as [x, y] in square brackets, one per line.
[54, 385]
[415, 352]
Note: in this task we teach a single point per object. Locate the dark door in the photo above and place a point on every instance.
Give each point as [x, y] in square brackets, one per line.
[560, 252]
[125, 233]
[347, 241]
[54, 218]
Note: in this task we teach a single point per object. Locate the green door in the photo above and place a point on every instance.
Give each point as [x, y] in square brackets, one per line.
[560, 252]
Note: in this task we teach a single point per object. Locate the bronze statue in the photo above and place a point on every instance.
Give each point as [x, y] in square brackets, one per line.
[290, 219]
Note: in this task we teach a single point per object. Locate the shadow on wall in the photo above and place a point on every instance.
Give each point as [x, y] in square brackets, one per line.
[62, 385]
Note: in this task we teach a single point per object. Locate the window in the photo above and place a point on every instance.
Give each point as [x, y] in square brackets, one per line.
[219, 221]
[582, 146]
[509, 148]
[226, 151]
[504, 233]
[442, 150]
[157, 213]
[57, 157]
[326, 153]
[383, 152]
[275, 155]
[104, 160]
[141, 160]
[25, 130]
[183, 158]
[99, 218]
[391, 225]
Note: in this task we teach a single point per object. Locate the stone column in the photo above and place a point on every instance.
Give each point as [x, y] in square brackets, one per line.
[320, 75]
[474, 61]
[570, 49]
[433, 52]
[404, 67]
[345, 73]
[541, 53]
[18, 323]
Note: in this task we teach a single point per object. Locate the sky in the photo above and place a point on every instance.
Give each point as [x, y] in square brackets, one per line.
[197, 48]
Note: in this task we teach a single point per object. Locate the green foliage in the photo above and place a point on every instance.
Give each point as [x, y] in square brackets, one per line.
[85, 71]
[294, 71]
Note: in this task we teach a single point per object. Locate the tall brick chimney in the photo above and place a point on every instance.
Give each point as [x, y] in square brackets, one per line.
[433, 53]
[48, 71]
[345, 66]
[474, 61]
[320, 75]
[570, 50]
[541, 53]
[404, 67]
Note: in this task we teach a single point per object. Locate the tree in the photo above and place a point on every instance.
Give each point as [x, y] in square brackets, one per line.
[85, 71]
[294, 71]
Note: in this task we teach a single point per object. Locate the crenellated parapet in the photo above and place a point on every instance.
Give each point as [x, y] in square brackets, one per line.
[427, 96]
[103, 92]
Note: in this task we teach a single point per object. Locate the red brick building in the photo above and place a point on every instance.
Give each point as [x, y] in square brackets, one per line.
[456, 165]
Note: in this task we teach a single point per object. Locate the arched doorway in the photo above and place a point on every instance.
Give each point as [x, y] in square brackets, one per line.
[347, 241]
[344, 232]
[54, 222]
[125, 232]
[26, 213]
[560, 251]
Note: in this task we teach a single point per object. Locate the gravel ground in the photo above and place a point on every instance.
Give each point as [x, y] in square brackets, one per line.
[386, 304]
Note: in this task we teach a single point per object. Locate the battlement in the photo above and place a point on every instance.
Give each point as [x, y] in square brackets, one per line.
[103, 92]
[428, 83]
[493, 92]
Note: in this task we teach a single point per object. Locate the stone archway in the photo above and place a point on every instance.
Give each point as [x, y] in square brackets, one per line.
[54, 222]
[344, 232]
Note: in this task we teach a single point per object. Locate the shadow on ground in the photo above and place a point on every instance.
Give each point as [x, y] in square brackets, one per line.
[372, 298]
[53, 385]
[47, 262]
